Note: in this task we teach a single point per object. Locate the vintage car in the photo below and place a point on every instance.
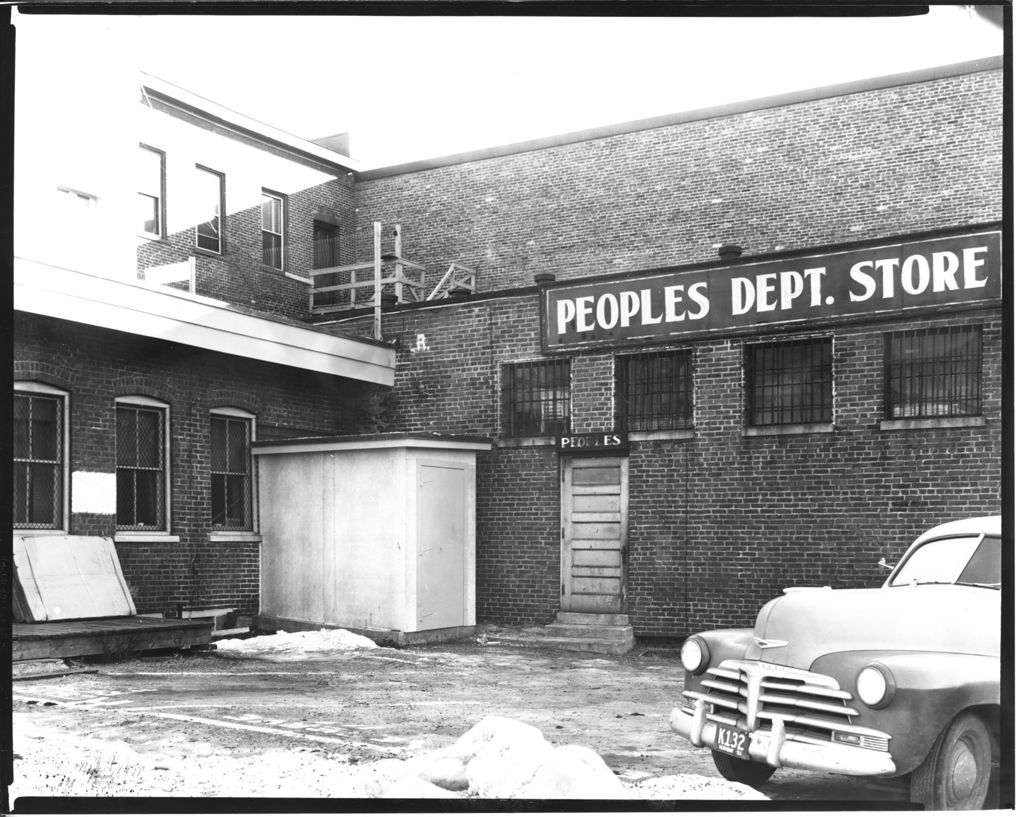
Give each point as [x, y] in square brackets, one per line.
[901, 679]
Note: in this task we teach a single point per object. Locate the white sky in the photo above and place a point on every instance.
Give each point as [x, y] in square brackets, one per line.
[411, 88]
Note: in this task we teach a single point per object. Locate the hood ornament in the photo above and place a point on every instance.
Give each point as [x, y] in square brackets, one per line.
[769, 643]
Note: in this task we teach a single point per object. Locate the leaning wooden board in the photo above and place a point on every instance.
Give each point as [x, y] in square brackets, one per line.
[59, 577]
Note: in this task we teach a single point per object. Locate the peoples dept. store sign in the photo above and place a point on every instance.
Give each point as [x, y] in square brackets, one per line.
[890, 279]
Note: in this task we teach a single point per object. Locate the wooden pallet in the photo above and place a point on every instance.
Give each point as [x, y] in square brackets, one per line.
[105, 636]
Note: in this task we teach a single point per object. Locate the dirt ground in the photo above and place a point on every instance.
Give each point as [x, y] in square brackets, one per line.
[243, 727]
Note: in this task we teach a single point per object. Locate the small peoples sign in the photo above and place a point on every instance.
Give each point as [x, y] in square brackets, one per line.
[594, 443]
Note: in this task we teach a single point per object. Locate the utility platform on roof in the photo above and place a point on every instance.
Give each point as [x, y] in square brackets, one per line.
[352, 286]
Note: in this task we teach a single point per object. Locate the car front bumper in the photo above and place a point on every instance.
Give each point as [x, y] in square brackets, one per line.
[775, 749]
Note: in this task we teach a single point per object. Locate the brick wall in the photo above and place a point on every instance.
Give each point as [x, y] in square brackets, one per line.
[719, 522]
[95, 366]
[239, 276]
[859, 166]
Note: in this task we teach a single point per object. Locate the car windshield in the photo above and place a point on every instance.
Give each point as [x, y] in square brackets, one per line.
[955, 560]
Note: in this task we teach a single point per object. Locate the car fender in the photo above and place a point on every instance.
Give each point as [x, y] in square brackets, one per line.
[931, 689]
[722, 645]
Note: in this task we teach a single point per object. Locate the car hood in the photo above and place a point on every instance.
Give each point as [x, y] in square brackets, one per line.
[801, 626]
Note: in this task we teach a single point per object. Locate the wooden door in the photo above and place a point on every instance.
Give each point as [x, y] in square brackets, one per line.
[595, 496]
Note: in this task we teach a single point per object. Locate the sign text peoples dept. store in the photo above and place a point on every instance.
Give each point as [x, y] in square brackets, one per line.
[891, 278]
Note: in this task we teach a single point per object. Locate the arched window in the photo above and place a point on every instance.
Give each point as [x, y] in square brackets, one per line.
[143, 456]
[40, 457]
[231, 472]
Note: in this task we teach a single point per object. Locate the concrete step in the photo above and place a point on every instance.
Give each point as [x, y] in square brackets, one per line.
[609, 632]
[598, 619]
[602, 646]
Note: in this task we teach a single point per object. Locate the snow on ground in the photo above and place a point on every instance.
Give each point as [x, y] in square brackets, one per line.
[499, 758]
[299, 646]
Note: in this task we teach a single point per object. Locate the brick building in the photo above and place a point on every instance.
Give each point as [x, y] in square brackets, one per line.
[679, 432]
[725, 505]
[155, 348]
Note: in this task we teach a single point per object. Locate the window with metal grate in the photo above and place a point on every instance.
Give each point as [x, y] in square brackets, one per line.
[38, 461]
[230, 472]
[654, 391]
[789, 382]
[141, 467]
[535, 398]
[933, 373]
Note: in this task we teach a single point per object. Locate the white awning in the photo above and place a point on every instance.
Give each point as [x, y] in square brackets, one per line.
[159, 312]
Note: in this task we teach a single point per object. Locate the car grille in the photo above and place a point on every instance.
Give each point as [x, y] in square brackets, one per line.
[751, 694]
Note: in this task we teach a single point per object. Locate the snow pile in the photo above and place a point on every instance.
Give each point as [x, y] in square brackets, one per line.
[299, 646]
[501, 758]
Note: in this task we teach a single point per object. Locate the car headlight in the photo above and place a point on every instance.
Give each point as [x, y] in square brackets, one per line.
[695, 655]
[876, 685]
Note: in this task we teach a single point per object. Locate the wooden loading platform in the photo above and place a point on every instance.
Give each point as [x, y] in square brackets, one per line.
[116, 636]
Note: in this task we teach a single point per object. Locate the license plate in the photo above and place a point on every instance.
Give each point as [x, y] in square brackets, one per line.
[733, 742]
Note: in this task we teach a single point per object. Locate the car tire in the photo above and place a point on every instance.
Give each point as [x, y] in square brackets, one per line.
[749, 772]
[956, 772]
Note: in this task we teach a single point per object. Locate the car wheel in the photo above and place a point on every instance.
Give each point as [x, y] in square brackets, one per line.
[738, 770]
[955, 773]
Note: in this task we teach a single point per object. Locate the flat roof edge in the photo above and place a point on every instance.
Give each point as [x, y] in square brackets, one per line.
[667, 120]
[190, 102]
[296, 445]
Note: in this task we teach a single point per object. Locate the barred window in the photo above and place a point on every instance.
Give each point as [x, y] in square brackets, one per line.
[789, 382]
[933, 373]
[654, 391]
[273, 217]
[231, 472]
[38, 460]
[536, 398]
[141, 466]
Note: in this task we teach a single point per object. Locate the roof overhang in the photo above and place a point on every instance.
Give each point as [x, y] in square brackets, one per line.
[216, 114]
[154, 311]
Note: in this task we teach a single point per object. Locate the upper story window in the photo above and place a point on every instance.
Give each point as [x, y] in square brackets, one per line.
[142, 462]
[231, 489]
[654, 391]
[152, 182]
[273, 216]
[789, 382]
[39, 449]
[210, 207]
[933, 373]
[535, 397]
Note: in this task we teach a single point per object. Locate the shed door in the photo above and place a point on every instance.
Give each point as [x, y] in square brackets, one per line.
[441, 547]
[594, 503]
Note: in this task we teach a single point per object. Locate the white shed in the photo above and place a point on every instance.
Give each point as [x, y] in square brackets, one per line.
[376, 534]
